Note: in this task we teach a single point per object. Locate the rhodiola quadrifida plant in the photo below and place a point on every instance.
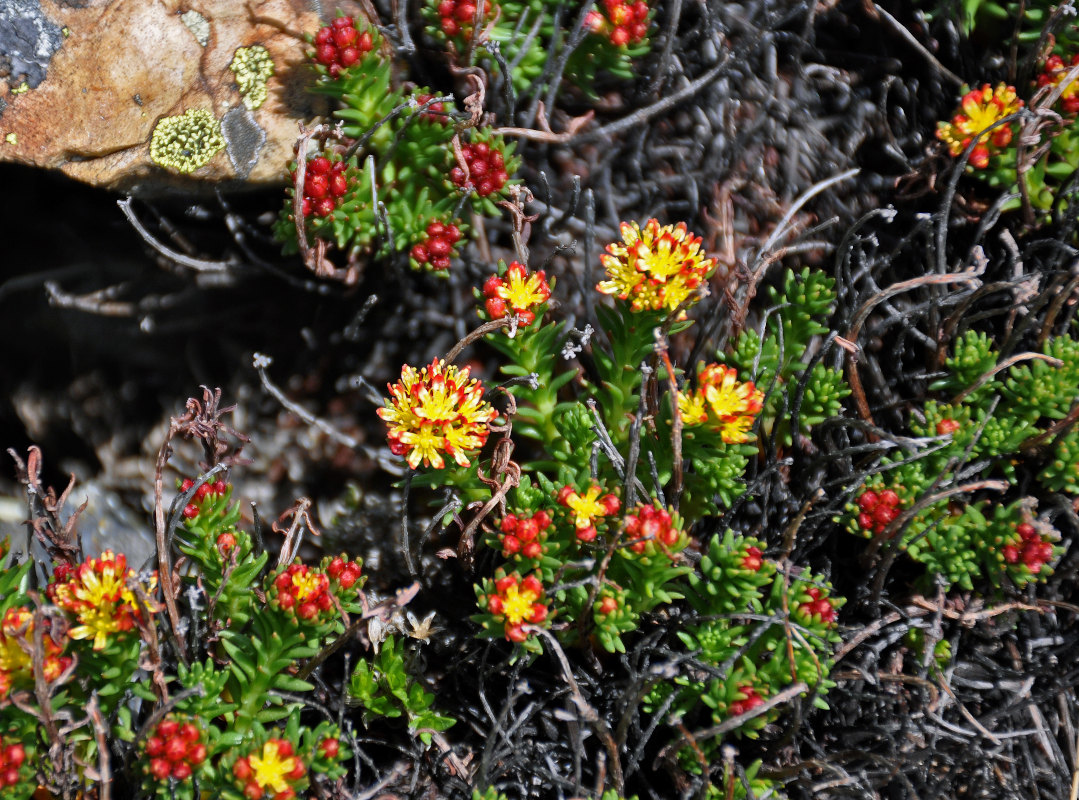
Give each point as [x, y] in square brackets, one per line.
[622, 455]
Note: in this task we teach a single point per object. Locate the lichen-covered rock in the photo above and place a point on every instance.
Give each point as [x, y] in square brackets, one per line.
[85, 85]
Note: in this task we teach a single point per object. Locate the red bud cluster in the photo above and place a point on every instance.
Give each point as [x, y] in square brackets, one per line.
[458, 16]
[324, 183]
[175, 749]
[486, 169]
[751, 699]
[753, 559]
[207, 493]
[877, 509]
[339, 45]
[818, 607]
[624, 24]
[343, 572]
[650, 524]
[436, 112]
[1032, 550]
[12, 757]
[437, 248]
[524, 535]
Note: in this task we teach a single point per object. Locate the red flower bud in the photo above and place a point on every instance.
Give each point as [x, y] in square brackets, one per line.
[160, 768]
[608, 605]
[947, 426]
[564, 494]
[868, 500]
[330, 747]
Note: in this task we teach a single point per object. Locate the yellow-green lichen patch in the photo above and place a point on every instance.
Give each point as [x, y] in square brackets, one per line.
[11, 138]
[252, 67]
[186, 142]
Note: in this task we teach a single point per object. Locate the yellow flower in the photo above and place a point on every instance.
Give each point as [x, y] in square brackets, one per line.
[656, 268]
[99, 596]
[979, 109]
[434, 411]
[723, 402]
[272, 768]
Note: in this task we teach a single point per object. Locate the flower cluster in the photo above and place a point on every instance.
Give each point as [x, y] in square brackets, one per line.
[16, 665]
[652, 529]
[434, 411]
[435, 251]
[877, 509]
[175, 749]
[524, 535]
[657, 268]
[486, 168]
[302, 592]
[458, 16]
[1054, 72]
[516, 292]
[275, 768]
[206, 495]
[624, 23]
[339, 45]
[1031, 550]
[12, 758]
[588, 507]
[816, 606]
[751, 699]
[98, 593]
[979, 109]
[515, 602]
[324, 184]
[722, 402]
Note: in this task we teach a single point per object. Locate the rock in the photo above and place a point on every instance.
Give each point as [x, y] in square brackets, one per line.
[85, 84]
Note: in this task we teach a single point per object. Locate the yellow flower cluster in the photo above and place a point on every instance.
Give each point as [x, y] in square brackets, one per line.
[98, 594]
[722, 402]
[434, 411]
[656, 268]
[979, 109]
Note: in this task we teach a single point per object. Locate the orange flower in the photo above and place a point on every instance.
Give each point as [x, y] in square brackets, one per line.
[979, 109]
[436, 410]
[723, 402]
